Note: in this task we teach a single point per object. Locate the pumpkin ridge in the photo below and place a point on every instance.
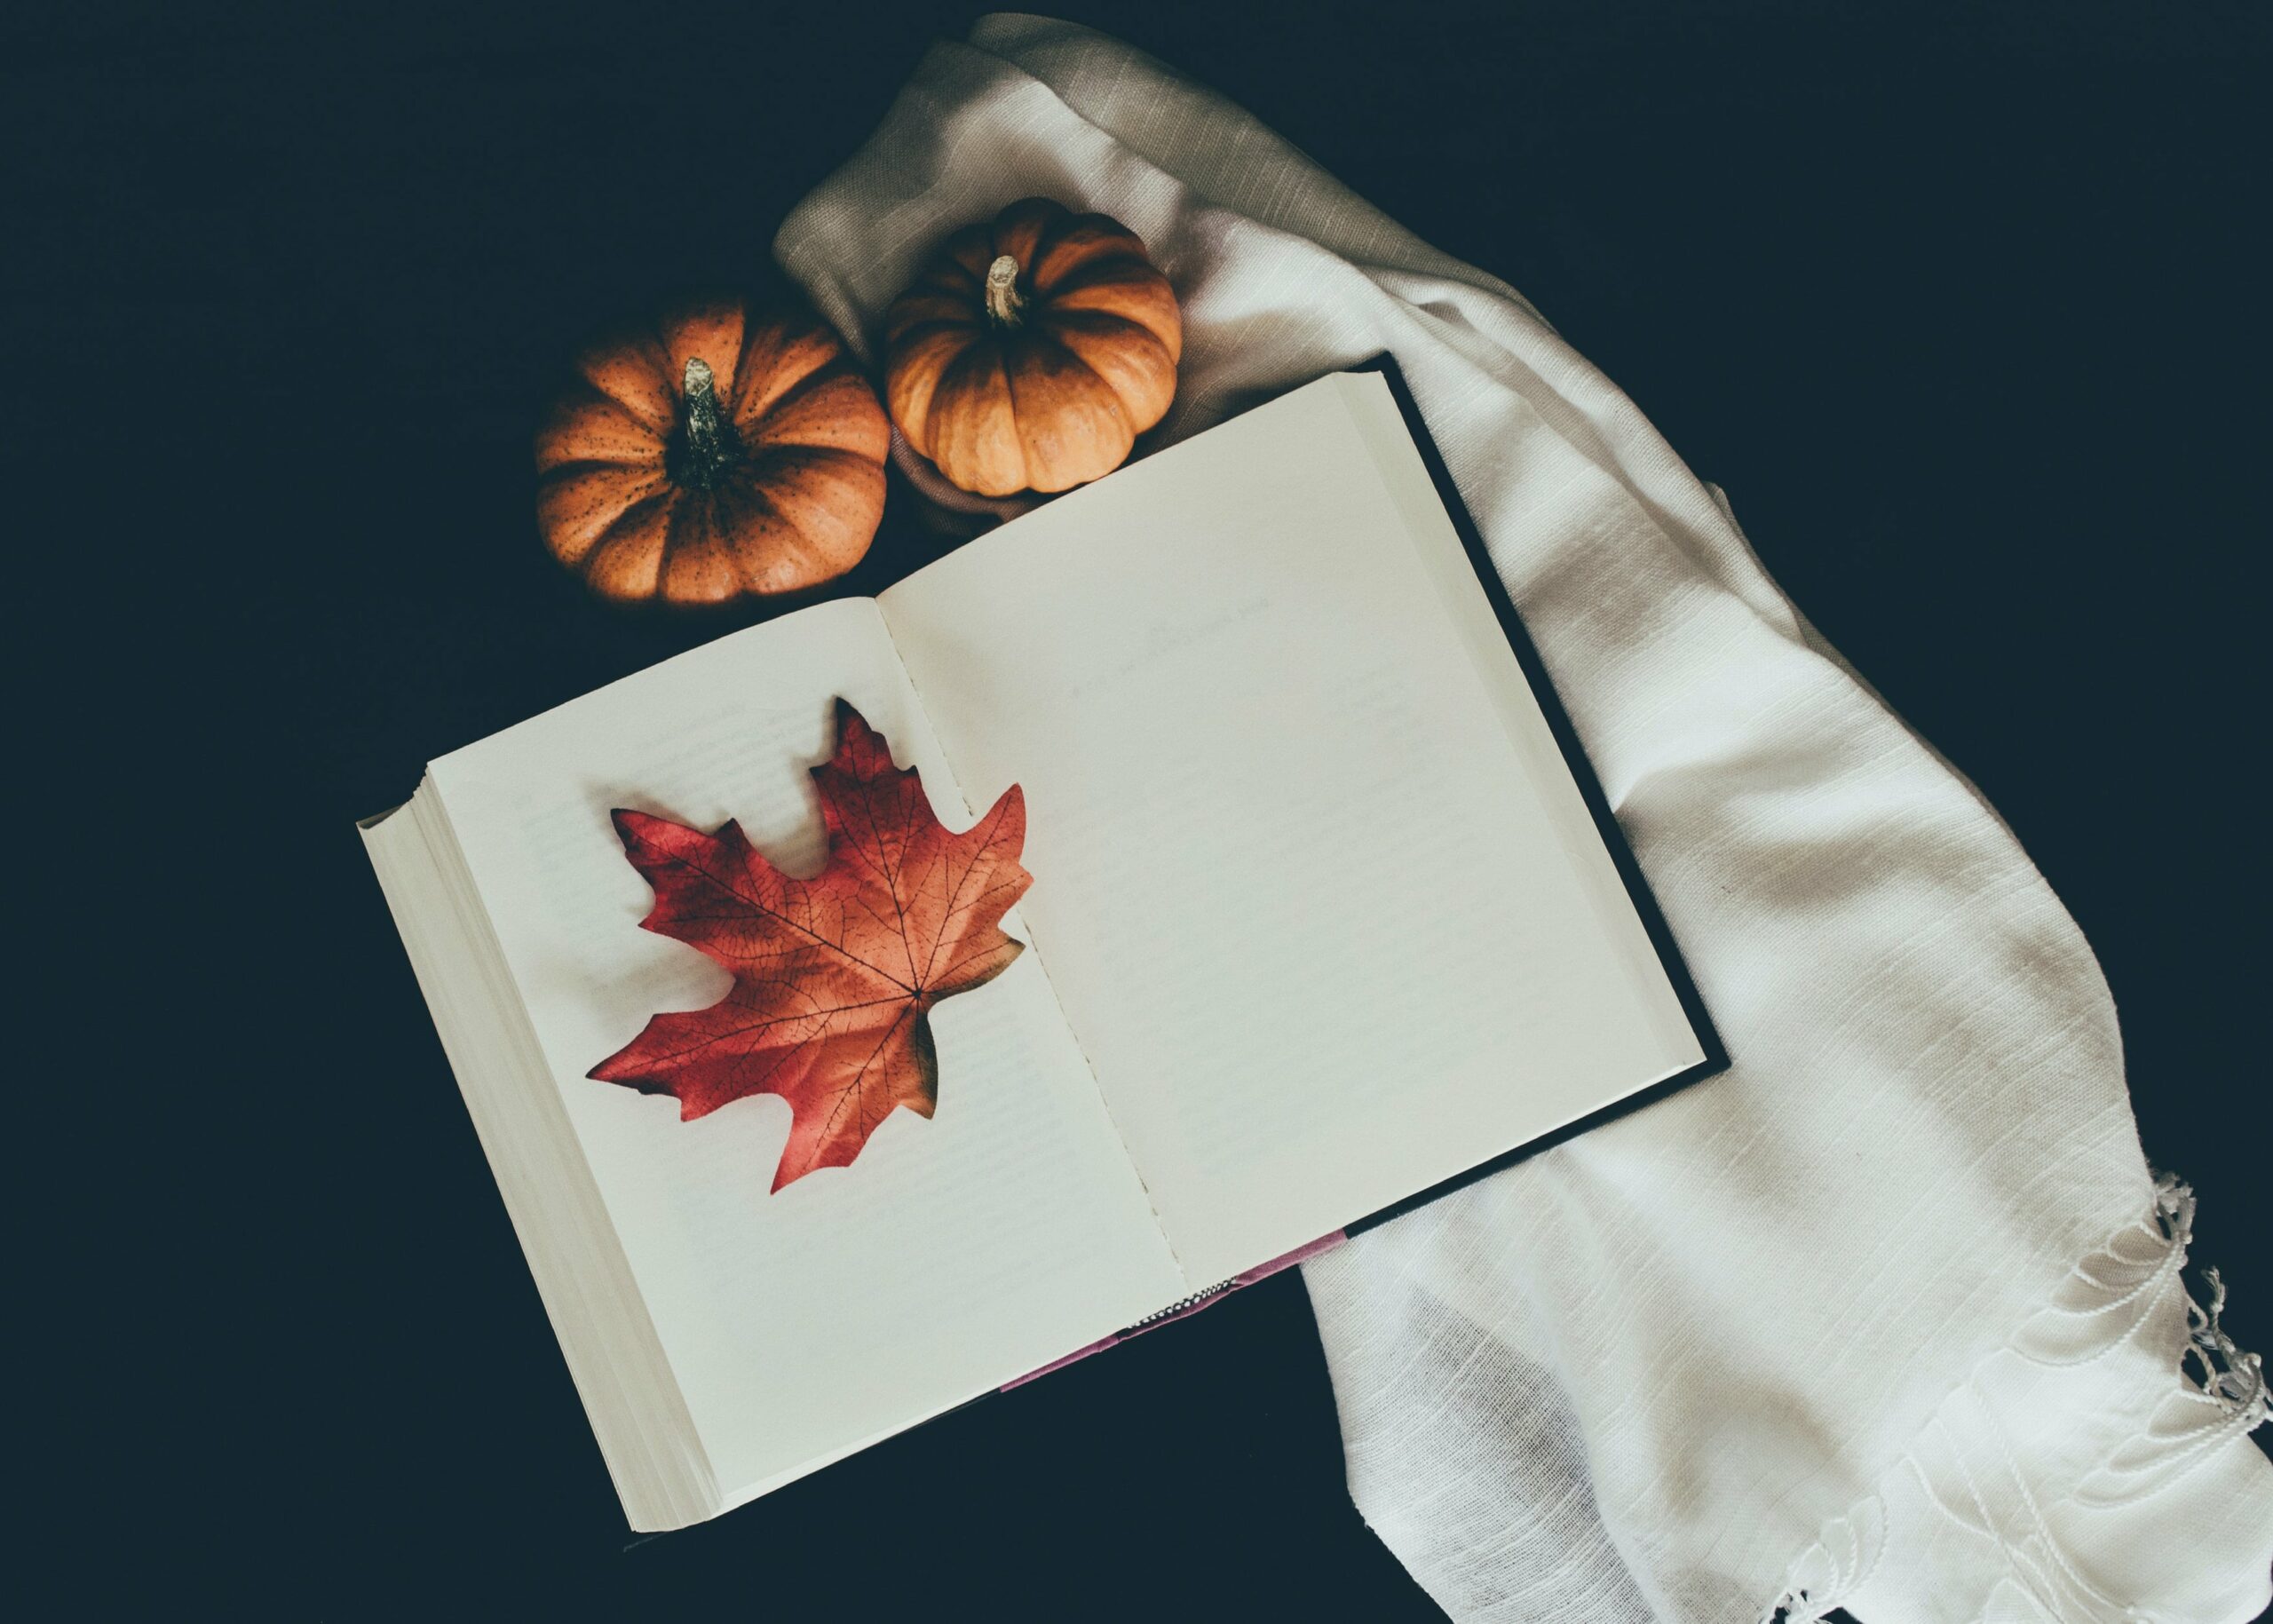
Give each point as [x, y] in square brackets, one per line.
[714, 331]
[1128, 288]
[638, 352]
[951, 276]
[625, 527]
[1038, 334]
[561, 473]
[1052, 232]
[911, 381]
[1079, 306]
[1020, 231]
[1118, 246]
[820, 377]
[957, 323]
[1104, 324]
[795, 458]
[969, 374]
[969, 250]
[750, 408]
[630, 493]
[575, 514]
[660, 339]
[817, 518]
[1134, 363]
[638, 510]
[1037, 337]
[821, 418]
[903, 327]
[693, 534]
[1115, 265]
[753, 495]
[621, 406]
[790, 535]
[568, 425]
[675, 521]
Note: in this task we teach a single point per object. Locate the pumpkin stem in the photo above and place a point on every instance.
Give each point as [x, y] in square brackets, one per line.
[708, 445]
[1003, 303]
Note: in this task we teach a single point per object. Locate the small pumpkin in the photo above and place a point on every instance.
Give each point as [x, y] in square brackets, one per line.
[721, 452]
[1032, 350]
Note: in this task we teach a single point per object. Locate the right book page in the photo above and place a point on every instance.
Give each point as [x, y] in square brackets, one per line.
[1320, 899]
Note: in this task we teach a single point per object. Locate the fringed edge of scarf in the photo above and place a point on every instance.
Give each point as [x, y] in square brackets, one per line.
[2137, 1270]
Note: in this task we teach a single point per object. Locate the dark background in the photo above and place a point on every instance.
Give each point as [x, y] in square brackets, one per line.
[1966, 309]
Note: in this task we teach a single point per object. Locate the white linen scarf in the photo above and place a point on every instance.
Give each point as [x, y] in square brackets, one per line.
[1888, 1315]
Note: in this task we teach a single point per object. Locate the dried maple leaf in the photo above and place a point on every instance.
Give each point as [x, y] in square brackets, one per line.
[834, 977]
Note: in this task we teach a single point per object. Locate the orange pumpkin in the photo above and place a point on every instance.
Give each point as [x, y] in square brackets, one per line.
[719, 453]
[1032, 350]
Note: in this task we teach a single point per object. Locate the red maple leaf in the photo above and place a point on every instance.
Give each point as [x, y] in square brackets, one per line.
[834, 977]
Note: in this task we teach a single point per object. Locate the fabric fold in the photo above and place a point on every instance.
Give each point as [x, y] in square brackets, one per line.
[1757, 1344]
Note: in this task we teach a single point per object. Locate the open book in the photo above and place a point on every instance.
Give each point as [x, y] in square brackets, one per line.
[1327, 913]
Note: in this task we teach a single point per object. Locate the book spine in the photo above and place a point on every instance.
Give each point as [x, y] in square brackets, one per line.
[1188, 1306]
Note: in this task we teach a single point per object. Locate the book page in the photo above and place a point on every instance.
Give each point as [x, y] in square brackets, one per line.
[955, 1253]
[1325, 908]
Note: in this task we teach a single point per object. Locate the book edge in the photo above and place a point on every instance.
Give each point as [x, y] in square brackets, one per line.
[616, 1361]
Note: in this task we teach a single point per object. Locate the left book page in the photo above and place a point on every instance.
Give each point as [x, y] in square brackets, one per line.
[955, 1253]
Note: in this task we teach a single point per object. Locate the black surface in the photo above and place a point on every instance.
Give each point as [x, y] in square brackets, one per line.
[1964, 309]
